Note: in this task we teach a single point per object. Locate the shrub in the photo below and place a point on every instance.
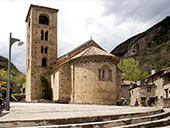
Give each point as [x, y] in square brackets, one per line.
[45, 89]
[16, 94]
[3, 90]
[142, 102]
[128, 103]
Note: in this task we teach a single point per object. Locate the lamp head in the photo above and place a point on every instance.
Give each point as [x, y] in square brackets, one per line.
[20, 43]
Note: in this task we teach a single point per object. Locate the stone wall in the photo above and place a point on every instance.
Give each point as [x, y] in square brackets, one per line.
[88, 87]
[36, 48]
[164, 102]
[125, 92]
[140, 92]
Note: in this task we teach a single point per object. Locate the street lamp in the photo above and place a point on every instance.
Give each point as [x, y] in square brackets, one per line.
[11, 42]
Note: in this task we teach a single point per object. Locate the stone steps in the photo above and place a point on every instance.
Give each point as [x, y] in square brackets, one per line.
[161, 119]
[127, 120]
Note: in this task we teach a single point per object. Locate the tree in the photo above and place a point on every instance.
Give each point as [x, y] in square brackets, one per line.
[3, 73]
[131, 70]
[16, 78]
[45, 89]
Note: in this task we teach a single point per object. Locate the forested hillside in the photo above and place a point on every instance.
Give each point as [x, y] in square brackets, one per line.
[4, 64]
[151, 48]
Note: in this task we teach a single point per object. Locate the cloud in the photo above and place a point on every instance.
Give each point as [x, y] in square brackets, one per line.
[136, 10]
[109, 22]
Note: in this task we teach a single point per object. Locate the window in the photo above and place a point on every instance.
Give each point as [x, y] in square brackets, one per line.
[46, 35]
[44, 62]
[43, 20]
[143, 98]
[42, 49]
[110, 74]
[46, 50]
[42, 34]
[54, 78]
[105, 73]
[148, 89]
[166, 93]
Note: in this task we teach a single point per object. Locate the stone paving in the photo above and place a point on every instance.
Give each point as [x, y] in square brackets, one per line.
[33, 111]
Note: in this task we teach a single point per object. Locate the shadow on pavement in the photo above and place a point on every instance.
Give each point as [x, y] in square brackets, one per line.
[3, 114]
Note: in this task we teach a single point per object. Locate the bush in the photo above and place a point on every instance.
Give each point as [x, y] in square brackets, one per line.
[45, 90]
[16, 94]
[128, 103]
[142, 102]
[3, 90]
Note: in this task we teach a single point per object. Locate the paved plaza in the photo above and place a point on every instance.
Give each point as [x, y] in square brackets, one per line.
[33, 111]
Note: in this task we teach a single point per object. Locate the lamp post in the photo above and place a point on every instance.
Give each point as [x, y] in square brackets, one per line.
[11, 42]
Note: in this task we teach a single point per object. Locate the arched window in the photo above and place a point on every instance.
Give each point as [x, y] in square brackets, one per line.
[44, 61]
[105, 73]
[43, 20]
[42, 34]
[42, 48]
[46, 50]
[46, 35]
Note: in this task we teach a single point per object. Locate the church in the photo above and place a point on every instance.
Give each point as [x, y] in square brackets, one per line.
[85, 75]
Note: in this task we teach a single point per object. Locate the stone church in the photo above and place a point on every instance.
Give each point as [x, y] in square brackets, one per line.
[85, 75]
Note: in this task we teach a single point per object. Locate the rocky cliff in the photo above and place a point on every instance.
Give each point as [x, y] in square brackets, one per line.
[151, 48]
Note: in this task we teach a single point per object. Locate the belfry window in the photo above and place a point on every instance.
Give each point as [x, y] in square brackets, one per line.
[46, 35]
[44, 61]
[43, 20]
[42, 48]
[46, 50]
[42, 35]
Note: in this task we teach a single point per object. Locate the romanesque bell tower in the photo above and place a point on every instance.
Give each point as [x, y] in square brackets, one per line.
[41, 48]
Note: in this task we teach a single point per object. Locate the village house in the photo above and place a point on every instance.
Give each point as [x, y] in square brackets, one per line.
[156, 90]
[85, 75]
[125, 86]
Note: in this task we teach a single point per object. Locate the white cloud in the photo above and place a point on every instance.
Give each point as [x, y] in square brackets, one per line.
[108, 22]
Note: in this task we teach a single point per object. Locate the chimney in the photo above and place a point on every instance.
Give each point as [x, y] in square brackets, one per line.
[153, 71]
[138, 82]
[122, 80]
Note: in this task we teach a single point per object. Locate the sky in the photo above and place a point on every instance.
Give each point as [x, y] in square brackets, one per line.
[108, 22]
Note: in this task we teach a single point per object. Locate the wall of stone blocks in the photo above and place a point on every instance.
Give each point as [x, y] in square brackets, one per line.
[34, 68]
[135, 97]
[86, 85]
[64, 82]
[125, 92]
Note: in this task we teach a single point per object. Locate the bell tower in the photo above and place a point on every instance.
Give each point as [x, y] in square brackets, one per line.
[41, 47]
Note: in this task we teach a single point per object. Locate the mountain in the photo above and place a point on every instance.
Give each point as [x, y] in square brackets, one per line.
[151, 48]
[4, 64]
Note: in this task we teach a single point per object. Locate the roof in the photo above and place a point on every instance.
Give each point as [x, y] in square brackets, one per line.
[89, 48]
[162, 71]
[31, 6]
[127, 82]
[92, 50]
[142, 85]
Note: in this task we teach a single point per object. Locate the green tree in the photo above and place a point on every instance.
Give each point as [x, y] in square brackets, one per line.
[3, 73]
[16, 78]
[131, 70]
[20, 79]
[45, 89]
